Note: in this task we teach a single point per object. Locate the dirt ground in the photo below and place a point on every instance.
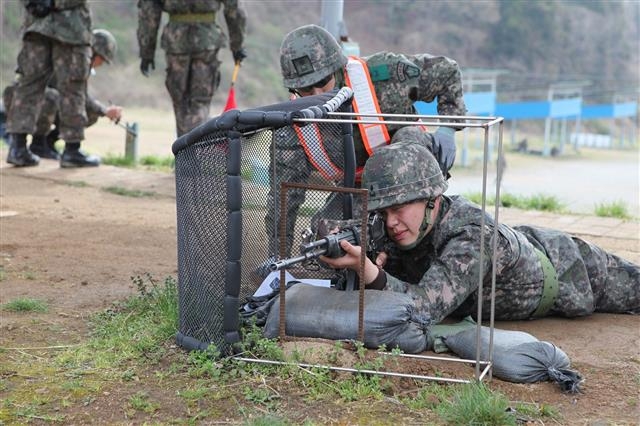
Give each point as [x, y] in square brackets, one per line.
[65, 240]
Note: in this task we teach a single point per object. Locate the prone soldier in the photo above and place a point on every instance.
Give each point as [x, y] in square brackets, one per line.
[435, 255]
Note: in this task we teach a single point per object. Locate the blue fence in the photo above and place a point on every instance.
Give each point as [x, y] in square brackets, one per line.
[484, 104]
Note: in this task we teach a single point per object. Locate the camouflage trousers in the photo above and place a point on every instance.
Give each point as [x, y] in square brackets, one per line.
[48, 116]
[590, 279]
[38, 60]
[192, 80]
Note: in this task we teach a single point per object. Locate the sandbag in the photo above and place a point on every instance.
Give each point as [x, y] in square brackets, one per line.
[518, 357]
[389, 318]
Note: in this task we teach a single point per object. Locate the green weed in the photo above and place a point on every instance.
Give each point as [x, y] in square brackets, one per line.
[150, 162]
[131, 330]
[530, 411]
[118, 160]
[118, 190]
[616, 209]
[141, 402]
[26, 304]
[156, 162]
[76, 183]
[267, 420]
[476, 404]
[429, 397]
[542, 202]
[29, 275]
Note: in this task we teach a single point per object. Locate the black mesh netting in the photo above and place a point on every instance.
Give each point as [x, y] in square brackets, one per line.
[228, 175]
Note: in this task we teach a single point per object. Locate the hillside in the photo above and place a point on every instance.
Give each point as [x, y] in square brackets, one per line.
[537, 43]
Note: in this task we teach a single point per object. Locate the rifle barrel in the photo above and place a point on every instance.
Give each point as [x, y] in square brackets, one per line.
[285, 263]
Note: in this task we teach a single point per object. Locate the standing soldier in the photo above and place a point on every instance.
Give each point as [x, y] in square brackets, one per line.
[44, 138]
[56, 40]
[191, 41]
[312, 62]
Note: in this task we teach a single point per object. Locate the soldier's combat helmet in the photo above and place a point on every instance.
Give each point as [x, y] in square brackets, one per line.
[104, 44]
[403, 171]
[308, 54]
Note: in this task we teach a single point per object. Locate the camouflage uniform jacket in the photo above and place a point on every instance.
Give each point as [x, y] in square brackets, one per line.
[69, 22]
[441, 273]
[188, 37]
[400, 80]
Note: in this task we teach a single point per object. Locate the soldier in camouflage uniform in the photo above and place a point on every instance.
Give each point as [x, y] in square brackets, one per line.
[56, 40]
[191, 41]
[44, 138]
[435, 258]
[312, 62]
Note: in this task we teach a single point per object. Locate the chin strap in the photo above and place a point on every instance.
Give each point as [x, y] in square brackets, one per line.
[425, 227]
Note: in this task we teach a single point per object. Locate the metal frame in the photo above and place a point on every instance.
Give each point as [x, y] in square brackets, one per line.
[480, 122]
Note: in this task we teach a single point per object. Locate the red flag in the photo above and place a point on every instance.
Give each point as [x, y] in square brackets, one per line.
[231, 98]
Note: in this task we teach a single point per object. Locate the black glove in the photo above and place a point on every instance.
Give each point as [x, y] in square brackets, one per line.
[39, 8]
[239, 55]
[145, 64]
[444, 149]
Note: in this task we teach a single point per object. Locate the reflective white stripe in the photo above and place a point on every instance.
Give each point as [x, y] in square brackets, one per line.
[365, 101]
[317, 155]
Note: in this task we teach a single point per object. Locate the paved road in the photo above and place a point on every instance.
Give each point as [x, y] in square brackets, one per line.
[579, 183]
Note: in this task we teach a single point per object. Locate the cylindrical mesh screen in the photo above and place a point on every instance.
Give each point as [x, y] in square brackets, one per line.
[209, 285]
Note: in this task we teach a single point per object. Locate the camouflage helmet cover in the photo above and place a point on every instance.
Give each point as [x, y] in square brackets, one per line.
[104, 44]
[307, 55]
[402, 172]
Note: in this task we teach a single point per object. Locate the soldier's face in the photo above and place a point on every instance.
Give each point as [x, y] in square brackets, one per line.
[403, 222]
[324, 85]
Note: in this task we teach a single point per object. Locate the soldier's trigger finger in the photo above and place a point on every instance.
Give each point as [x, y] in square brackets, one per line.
[381, 259]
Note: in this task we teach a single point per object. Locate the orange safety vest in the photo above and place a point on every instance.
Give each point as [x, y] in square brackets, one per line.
[365, 101]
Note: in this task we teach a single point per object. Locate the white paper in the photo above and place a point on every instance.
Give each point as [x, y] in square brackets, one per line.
[272, 281]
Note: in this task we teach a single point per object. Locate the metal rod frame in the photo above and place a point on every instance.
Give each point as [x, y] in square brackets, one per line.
[485, 123]
[363, 194]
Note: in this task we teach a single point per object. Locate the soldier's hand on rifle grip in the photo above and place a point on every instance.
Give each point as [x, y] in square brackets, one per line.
[145, 65]
[351, 260]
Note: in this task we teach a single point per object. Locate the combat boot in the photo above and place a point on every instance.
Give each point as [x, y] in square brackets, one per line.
[73, 157]
[19, 155]
[40, 146]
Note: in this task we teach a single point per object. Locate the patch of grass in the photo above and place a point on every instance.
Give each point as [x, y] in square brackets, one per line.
[542, 202]
[29, 275]
[26, 305]
[118, 161]
[77, 183]
[118, 190]
[530, 411]
[476, 404]
[616, 209]
[429, 397]
[140, 401]
[268, 420]
[151, 162]
[154, 161]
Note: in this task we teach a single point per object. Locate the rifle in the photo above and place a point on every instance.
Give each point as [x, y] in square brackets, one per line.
[330, 244]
